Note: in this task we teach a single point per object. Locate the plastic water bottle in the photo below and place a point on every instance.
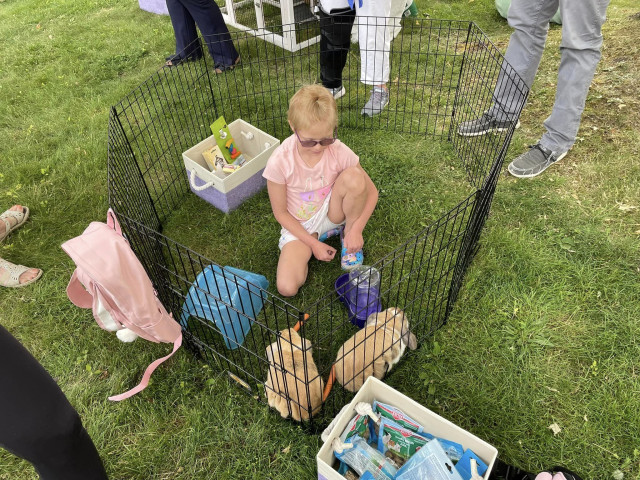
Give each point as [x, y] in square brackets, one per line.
[364, 277]
[363, 292]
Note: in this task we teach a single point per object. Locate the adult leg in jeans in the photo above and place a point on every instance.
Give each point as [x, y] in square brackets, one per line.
[38, 423]
[530, 21]
[185, 14]
[184, 29]
[208, 17]
[580, 53]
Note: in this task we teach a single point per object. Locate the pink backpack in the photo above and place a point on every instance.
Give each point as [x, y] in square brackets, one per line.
[110, 279]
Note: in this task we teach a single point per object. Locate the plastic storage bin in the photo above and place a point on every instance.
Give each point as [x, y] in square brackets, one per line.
[226, 192]
[374, 389]
[212, 293]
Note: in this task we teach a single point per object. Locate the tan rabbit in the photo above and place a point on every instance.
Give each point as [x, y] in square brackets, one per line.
[285, 386]
[375, 349]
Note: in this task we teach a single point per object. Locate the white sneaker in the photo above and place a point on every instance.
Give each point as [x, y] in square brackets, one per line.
[337, 92]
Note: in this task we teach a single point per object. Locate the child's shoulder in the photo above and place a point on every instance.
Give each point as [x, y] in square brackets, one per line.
[342, 151]
[284, 150]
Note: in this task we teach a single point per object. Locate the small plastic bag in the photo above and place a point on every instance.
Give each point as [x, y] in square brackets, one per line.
[429, 462]
[363, 458]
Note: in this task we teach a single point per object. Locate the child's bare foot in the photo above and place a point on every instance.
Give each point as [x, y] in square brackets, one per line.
[14, 276]
[12, 219]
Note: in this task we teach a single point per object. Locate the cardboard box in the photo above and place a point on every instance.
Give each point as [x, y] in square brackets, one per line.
[227, 191]
[374, 389]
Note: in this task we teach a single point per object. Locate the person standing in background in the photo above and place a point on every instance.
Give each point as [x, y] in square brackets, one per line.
[185, 14]
[375, 32]
[580, 53]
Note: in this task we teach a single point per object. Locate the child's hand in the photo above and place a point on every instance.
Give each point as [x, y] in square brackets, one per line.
[323, 252]
[353, 241]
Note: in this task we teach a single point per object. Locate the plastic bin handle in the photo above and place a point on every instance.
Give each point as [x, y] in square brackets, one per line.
[192, 179]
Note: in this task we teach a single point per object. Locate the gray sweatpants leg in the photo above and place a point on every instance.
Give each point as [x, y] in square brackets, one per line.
[580, 53]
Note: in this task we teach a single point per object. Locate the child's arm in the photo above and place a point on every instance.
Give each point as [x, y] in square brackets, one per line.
[278, 199]
[353, 240]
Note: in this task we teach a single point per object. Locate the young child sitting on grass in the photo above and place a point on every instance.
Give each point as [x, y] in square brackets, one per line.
[317, 189]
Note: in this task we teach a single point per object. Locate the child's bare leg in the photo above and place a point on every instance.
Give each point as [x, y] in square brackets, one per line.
[348, 197]
[293, 267]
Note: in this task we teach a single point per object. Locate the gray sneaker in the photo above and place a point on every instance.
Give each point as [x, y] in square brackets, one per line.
[485, 124]
[377, 101]
[534, 162]
[337, 92]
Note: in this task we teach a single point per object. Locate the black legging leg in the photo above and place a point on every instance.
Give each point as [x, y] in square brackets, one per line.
[38, 423]
[335, 40]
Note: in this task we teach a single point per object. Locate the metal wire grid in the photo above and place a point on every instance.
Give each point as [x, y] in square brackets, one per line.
[443, 73]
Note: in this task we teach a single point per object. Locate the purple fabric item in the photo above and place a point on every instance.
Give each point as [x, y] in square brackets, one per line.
[233, 199]
[154, 6]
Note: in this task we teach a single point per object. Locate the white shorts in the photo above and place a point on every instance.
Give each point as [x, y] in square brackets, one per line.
[319, 224]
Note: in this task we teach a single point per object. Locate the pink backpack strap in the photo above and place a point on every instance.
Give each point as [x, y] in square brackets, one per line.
[147, 374]
[77, 293]
[112, 221]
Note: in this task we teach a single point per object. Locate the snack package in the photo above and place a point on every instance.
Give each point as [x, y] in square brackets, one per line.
[214, 158]
[397, 442]
[453, 449]
[394, 414]
[356, 426]
[225, 141]
[429, 462]
[363, 458]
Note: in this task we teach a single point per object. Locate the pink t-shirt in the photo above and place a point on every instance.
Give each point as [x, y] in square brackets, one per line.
[307, 187]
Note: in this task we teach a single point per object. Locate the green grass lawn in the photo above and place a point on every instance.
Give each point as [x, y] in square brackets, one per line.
[545, 329]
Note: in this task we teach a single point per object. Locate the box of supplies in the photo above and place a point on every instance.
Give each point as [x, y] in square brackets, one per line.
[227, 191]
[374, 389]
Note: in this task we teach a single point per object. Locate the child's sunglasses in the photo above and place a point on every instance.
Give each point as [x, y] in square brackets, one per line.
[324, 142]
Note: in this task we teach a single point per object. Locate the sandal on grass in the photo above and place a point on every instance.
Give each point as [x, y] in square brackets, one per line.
[10, 277]
[219, 68]
[20, 218]
[175, 60]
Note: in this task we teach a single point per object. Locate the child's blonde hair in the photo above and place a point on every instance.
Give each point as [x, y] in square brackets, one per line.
[310, 105]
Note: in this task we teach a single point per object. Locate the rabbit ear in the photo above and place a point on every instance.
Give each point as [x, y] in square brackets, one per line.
[407, 337]
[272, 351]
[413, 342]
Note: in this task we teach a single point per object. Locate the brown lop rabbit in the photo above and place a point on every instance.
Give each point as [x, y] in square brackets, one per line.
[285, 386]
[375, 349]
